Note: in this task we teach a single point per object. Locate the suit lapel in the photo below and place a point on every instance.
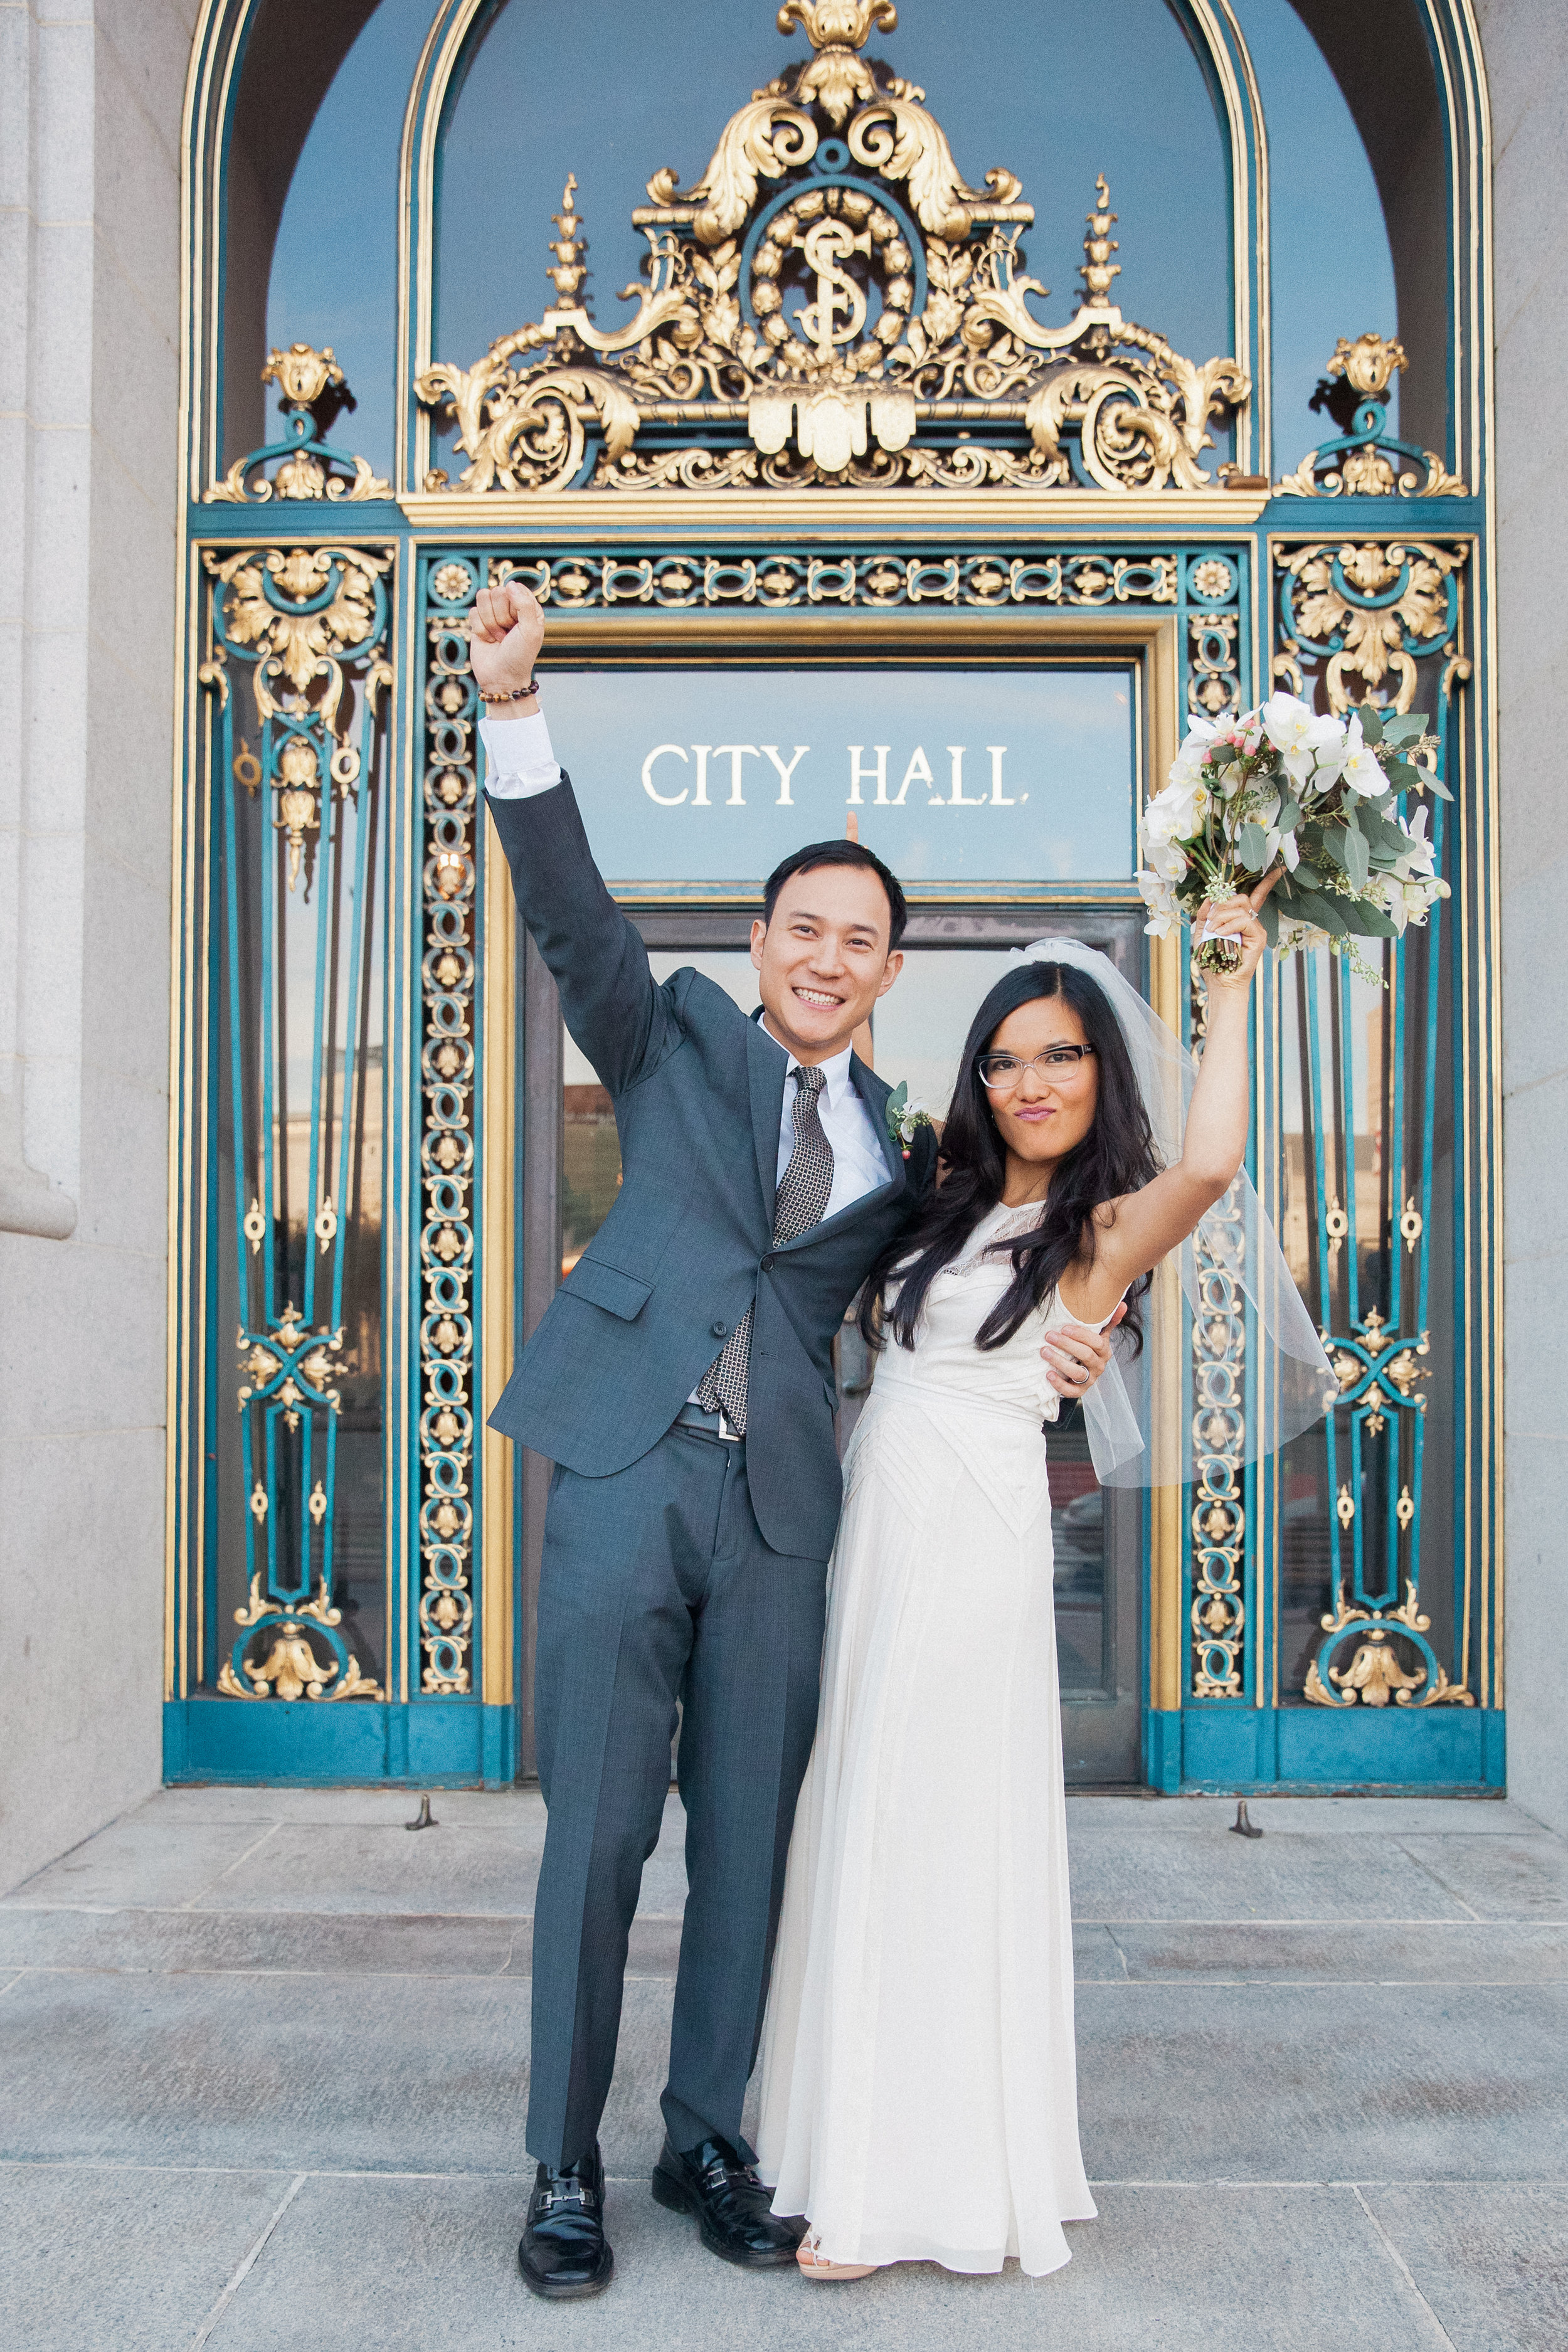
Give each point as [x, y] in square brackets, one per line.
[766, 1064]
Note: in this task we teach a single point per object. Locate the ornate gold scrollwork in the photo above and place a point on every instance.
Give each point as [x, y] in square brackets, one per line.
[307, 466]
[823, 393]
[1369, 612]
[302, 644]
[1358, 465]
[1374, 1673]
[1218, 1614]
[448, 1155]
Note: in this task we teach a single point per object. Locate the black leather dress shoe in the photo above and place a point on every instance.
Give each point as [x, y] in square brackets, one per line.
[715, 2183]
[563, 2252]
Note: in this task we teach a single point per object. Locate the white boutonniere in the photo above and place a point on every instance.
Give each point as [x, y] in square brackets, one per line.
[904, 1117]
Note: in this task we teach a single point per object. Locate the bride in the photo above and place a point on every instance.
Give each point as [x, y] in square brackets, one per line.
[919, 2094]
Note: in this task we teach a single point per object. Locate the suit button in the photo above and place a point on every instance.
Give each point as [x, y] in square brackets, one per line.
[721, 1330]
[767, 1265]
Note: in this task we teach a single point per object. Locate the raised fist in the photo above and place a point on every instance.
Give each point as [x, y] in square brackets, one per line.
[505, 632]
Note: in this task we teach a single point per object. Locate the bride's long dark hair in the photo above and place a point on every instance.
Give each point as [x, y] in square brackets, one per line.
[1116, 1156]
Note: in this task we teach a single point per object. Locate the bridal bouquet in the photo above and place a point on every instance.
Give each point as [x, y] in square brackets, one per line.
[1279, 790]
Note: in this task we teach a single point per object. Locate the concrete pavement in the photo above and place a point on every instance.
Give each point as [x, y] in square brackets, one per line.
[263, 2062]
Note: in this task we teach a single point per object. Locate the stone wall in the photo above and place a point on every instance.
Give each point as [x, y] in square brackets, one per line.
[1527, 65]
[90, 100]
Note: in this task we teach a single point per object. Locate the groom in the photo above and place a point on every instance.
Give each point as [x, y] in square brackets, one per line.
[682, 1382]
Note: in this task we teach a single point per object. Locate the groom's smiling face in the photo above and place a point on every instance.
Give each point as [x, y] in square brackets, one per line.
[823, 961]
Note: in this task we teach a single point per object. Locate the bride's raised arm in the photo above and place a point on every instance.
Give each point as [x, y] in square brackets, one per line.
[1135, 1233]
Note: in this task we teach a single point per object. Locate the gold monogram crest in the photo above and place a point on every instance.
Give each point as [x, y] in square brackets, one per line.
[833, 304]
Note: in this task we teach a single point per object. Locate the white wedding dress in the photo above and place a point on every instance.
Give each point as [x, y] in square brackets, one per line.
[919, 2091]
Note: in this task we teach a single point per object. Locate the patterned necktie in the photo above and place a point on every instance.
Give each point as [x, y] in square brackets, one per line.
[805, 1190]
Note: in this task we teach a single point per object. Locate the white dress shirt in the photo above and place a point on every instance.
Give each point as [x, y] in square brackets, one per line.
[519, 760]
[860, 1163]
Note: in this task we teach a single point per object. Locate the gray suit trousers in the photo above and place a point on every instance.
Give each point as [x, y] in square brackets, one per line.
[657, 1586]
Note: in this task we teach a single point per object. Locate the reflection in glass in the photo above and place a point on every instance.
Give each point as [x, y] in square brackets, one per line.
[1078, 1541]
[1366, 1500]
[1331, 265]
[334, 277]
[920, 1024]
[590, 1146]
[305, 942]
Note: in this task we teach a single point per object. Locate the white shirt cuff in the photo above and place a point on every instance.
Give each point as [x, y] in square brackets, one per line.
[519, 760]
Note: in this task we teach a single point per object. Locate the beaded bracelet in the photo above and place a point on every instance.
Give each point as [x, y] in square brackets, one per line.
[518, 693]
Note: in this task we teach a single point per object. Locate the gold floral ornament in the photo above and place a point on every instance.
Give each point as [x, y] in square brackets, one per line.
[1340, 603]
[1374, 1673]
[307, 466]
[883, 315]
[453, 582]
[293, 1367]
[836, 78]
[290, 1667]
[299, 615]
[1366, 461]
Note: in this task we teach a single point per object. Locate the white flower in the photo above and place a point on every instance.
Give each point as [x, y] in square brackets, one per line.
[1168, 862]
[1421, 856]
[1176, 814]
[1412, 902]
[1160, 899]
[1301, 935]
[1196, 745]
[1300, 736]
[1361, 772]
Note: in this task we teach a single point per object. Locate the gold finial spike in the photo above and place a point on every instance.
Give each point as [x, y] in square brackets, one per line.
[570, 246]
[1099, 268]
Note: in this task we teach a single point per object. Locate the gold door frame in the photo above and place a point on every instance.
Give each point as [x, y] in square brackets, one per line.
[909, 640]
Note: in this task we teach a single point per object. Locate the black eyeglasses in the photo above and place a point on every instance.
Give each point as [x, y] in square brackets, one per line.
[1002, 1072]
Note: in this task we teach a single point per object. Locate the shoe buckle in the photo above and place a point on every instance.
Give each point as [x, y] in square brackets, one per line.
[577, 2195]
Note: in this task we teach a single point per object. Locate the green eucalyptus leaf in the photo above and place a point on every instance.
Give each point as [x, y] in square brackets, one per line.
[1324, 911]
[1436, 784]
[1253, 846]
[1333, 847]
[1371, 724]
[1407, 727]
[1380, 831]
[1307, 876]
[1368, 921]
[898, 1096]
[1357, 863]
[1268, 915]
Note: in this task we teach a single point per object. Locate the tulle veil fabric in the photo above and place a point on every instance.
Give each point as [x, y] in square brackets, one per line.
[1146, 1429]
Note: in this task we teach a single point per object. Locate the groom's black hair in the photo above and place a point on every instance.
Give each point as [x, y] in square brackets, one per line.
[839, 853]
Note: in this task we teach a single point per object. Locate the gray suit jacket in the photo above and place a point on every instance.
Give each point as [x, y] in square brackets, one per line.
[697, 1090]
